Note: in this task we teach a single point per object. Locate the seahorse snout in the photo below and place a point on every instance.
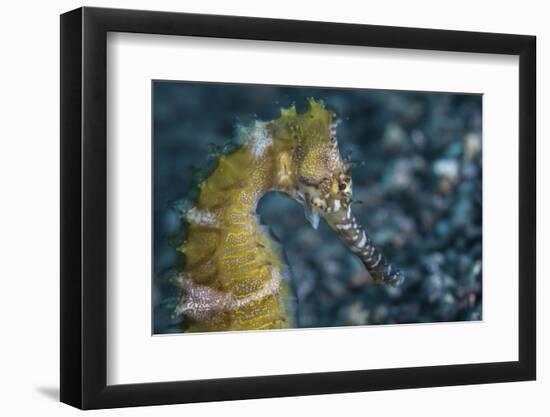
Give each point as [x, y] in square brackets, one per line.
[356, 238]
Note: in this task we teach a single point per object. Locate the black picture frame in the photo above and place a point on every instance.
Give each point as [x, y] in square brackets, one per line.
[84, 207]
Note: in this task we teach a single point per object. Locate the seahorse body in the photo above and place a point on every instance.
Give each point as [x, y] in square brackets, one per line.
[234, 276]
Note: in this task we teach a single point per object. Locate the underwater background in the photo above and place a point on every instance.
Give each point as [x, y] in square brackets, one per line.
[419, 185]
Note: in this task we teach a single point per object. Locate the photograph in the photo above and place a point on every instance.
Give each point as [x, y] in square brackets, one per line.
[270, 209]
[292, 207]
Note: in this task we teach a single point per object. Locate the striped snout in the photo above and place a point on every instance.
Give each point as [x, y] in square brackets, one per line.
[357, 240]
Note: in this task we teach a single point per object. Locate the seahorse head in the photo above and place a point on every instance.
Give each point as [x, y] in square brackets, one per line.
[321, 180]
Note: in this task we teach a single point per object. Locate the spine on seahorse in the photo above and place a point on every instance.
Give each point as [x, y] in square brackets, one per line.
[234, 277]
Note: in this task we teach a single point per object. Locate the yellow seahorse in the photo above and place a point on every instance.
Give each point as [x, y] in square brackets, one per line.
[234, 277]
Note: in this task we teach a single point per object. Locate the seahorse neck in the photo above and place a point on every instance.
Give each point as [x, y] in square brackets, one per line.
[244, 176]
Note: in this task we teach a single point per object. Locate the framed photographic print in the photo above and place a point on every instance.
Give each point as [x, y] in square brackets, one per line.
[259, 207]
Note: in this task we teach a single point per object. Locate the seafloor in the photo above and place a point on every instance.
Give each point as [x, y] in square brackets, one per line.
[419, 189]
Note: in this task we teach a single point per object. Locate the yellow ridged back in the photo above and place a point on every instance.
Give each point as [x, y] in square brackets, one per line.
[234, 255]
